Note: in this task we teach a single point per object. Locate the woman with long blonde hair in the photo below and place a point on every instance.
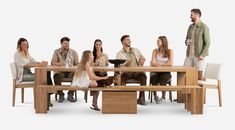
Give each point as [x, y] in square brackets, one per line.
[85, 77]
[24, 62]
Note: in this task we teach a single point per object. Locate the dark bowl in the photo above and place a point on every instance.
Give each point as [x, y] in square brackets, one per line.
[117, 62]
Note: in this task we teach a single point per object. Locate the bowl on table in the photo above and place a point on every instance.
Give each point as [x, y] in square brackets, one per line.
[117, 62]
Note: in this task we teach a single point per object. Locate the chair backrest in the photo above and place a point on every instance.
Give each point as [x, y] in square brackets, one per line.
[13, 70]
[213, 71]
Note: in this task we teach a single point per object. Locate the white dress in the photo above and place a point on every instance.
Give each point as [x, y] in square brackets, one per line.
[83, 81]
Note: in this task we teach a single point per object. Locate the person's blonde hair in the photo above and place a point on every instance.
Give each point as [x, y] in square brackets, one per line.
[82, 65]
[26, 53]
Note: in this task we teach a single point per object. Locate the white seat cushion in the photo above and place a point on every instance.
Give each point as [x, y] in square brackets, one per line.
[25, 83]
[207, 82]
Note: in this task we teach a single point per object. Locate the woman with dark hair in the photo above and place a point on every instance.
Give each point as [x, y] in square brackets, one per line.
[100, 58]
[162, 56]
[24, 62]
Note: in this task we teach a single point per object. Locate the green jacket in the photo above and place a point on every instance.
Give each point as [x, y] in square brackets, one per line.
[201, 39]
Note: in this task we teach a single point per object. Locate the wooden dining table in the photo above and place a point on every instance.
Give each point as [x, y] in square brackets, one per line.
[114, 101]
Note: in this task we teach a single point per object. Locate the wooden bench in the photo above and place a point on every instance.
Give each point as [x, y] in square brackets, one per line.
[122, 99]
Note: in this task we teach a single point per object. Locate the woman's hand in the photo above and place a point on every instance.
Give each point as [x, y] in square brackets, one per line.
[154, 63]
[106, 77]
[44, 63]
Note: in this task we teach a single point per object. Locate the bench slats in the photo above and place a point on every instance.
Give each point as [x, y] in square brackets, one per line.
[119, 88]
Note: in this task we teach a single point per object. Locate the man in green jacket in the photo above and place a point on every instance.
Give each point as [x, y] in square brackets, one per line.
[198, 42]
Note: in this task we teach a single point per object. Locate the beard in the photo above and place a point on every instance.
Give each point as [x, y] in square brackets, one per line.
[128, 44]
[65, 48]
[192, 20]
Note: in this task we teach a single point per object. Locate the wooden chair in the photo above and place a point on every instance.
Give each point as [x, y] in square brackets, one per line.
[17, 84]
[66, 80]
[212, 72]
[152, 92]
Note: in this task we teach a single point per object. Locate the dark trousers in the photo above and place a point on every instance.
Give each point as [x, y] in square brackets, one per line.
[58, 78]
[139, 76]
[160, 78]
[49, 81]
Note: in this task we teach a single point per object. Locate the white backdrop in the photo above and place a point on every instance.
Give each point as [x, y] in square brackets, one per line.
[44, 22]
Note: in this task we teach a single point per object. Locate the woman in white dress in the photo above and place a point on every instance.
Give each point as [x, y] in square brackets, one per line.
[85, 77]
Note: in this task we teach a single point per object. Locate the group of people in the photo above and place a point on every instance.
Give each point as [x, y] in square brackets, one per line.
[197, 42]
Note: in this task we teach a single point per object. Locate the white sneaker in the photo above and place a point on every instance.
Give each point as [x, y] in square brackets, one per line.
[156, 98]
[161, 100]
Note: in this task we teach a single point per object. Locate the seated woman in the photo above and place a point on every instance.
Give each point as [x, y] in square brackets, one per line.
[85, 77]
[101, 60]
[24, 62]
[162, 56]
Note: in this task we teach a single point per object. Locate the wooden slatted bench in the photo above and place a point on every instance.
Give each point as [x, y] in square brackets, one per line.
[122, 99]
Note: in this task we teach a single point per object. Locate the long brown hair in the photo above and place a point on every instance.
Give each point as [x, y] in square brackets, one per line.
[82, 65]
[164, 47]
[19, 42]
[94, 49]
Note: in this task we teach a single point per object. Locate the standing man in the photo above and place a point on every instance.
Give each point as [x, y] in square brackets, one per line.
[133, 58]
[197, 42]
[64, 56]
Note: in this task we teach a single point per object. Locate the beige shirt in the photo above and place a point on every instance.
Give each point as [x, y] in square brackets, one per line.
[60, 56]
[134, 55]
[102, 60]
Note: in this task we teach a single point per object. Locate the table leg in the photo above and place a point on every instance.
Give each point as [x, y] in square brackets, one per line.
[181, 77]
[42, 100]
[197, 101]
[40, 79]
[119, 102]
[191, 79]
[188, 100]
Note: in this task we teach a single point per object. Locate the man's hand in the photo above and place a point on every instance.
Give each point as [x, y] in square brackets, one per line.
[201, 58]
[57, 64]
[142, 60]
[128, 63]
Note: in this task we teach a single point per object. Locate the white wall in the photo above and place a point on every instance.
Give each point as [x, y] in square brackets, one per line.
[44, 22]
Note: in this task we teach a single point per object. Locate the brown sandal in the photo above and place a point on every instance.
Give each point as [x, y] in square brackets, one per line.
[95, 108]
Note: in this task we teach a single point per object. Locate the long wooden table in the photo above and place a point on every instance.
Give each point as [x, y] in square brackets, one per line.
[113, 100]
